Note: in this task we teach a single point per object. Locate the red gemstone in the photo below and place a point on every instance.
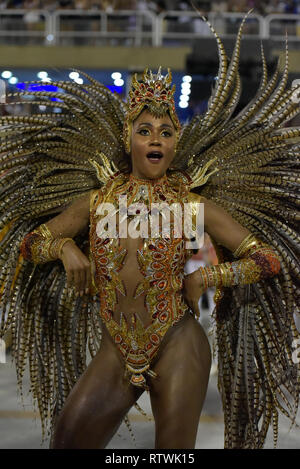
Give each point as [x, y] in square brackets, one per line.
[107, 316]
[162, 284]
[160, 296]
[154, 338]
[158, 256]
[163, 317]
[161, 305]
[158, 275]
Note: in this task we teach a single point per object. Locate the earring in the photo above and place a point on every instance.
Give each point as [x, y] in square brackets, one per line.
[126, 136]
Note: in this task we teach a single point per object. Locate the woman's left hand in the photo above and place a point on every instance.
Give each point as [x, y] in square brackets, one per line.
[193, 288]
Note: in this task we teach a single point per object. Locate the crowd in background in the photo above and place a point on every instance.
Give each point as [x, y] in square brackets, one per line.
[263, 7]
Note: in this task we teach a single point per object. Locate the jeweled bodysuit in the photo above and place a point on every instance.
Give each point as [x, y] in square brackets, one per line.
[140, 280]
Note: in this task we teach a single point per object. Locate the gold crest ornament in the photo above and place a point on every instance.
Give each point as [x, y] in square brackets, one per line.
[155, 93]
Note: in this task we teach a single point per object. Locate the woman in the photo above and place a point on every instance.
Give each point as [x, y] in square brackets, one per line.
[148, 330]
[177, 395]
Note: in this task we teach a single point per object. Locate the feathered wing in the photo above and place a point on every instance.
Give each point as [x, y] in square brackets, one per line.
[249, 164]
[47, 161]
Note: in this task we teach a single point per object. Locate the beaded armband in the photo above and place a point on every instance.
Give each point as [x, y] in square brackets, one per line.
[258, 261]
[40, 246]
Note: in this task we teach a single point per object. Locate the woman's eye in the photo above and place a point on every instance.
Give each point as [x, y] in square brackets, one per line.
[165, 133]
[144, 132]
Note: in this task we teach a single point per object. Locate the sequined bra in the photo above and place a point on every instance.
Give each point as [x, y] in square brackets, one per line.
[139, 331]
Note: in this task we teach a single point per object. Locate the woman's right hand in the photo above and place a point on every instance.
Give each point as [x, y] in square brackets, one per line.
[193, 288]
[77, 267]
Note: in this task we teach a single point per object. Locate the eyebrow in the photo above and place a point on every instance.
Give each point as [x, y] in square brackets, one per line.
[151, 125]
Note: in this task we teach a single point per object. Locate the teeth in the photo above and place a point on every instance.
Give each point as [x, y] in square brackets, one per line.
[154, 155]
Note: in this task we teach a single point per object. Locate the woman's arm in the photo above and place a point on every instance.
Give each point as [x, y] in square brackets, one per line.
[256, 261]
[222, 227]
[53, 240]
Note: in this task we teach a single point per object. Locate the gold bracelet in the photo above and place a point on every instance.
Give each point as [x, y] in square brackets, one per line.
[61, 245]
[224, 272]
[45, 232]
[41, 239]
[245, 245]
[204, 277]
[57, 244]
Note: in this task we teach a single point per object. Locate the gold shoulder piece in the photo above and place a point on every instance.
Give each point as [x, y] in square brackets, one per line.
[194, 200]
[105, 171]
[201, 175]
[93, 195]
[192, 197]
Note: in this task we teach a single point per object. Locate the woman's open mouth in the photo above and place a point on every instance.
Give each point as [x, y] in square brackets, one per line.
[155, 156]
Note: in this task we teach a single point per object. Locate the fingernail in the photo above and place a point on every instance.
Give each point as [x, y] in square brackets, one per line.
[86, 291]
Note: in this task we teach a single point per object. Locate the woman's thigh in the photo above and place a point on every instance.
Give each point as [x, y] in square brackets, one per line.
[98, 402]
[178, 394]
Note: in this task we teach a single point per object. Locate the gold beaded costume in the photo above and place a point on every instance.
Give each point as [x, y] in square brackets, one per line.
[156, 300]
[248, 164]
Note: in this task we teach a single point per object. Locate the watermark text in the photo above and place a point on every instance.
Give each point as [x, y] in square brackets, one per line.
[139, 220]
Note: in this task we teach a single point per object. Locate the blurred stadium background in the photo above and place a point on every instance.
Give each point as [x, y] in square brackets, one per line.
[45, 39]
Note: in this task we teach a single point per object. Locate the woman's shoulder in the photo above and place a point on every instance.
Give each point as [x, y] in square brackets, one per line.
[99, 194]
[193, 197]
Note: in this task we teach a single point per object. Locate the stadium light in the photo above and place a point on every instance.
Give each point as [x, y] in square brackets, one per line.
[116, 76]
[184, 97]
[74, 75]
[185, 88]
[6, 74]
[42, 75]
[119, 82]
[183, 104]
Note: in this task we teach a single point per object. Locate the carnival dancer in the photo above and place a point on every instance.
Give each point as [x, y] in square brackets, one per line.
[132, 303]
